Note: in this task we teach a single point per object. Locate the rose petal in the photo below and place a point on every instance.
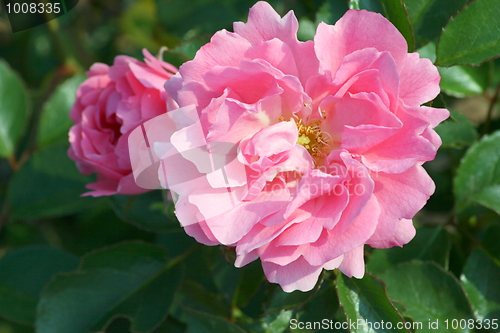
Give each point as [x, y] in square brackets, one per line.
[298, 275]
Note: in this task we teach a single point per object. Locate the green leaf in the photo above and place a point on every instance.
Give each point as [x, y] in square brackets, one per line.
[189, 48]
[323, 305]
[224, 275]
[13, 109]
[429, 244]
[23, 274]
[170, 325]
[480, 280]
[457, 131]
[195, 296]
[430, 295]
[147, 211]
[54, 120]
[199, 268]
[249, 281]
[371, 5]
[490, 241]
[428, 51]
[354, 4]
[11, 327]
[201, 322]
[201, 16]
[489, 197]
[478, 176]
[133, 280]
[307, 29]
[329, 12]
[287, 301]
[138, 22]
[96, 227]
[395, 11]
[458, 81]
[54, 184]
[428, 17]
[118, 325]
[278, 322]
[176, 241]
[365, 300]
[472, 37]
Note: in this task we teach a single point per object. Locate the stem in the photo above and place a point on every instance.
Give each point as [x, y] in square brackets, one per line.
[81, 55]
[52, 27]
[14, 165]
[31, 143]
[493, 101]
[67, 41]
[50, 234]
[4, 213]
[176, 260]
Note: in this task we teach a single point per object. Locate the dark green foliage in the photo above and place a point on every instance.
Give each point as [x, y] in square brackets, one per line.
[123, 264]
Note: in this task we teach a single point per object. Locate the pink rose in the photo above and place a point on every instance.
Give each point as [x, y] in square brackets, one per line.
[297, 153]
[109, 104]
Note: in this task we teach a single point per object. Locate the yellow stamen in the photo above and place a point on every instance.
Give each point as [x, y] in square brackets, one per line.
[311, 138]
[303, 140]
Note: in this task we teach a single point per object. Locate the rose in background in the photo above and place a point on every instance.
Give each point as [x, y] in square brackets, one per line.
[109, 104]
[331, 139]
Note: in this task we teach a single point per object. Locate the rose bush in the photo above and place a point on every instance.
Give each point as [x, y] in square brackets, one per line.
[109, 104]
[297, 153]
[124, 263]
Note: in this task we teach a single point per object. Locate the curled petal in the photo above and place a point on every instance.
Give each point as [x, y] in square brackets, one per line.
[353, 263]
[298, 275]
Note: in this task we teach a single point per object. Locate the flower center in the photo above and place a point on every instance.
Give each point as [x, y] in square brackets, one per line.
[312, 138]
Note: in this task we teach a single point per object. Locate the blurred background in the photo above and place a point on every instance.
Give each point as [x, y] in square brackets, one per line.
[40, 188]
